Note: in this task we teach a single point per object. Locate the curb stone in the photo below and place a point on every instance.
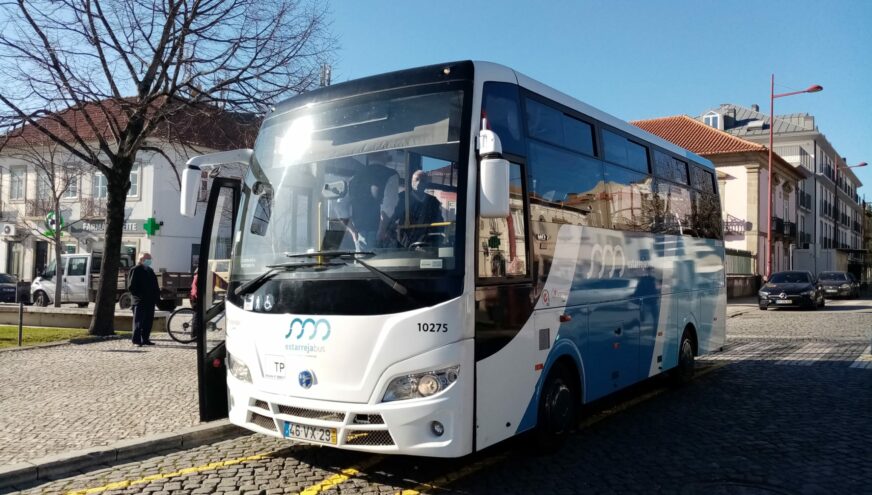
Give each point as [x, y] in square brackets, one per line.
[74, 341]
[13, 476]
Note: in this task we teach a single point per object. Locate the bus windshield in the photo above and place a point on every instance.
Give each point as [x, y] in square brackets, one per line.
[376, 174]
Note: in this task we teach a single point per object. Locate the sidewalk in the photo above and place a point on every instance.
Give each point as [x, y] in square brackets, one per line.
[740, 305]
[57, 401]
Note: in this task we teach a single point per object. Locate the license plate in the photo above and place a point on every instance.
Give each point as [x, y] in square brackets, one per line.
[310, 433]
[832, 290]
[783, 301]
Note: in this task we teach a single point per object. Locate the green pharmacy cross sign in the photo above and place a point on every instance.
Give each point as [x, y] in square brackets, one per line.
[51, 224]
[150, 226]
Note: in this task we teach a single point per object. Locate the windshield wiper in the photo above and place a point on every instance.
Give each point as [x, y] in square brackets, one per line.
[274, 270]
[329, 254]
[384, 277]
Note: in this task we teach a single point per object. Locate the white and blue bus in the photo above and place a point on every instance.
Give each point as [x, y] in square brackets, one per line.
[431, 261]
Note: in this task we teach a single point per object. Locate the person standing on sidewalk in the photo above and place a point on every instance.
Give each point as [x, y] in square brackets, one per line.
[142, 284]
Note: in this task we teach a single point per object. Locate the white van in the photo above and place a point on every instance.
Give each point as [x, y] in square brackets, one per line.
[79, 270]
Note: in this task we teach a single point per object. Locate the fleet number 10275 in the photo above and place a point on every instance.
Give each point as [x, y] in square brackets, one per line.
[433, 327]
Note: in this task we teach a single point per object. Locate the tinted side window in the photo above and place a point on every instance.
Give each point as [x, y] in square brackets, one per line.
[614, 148]
[702, 179]
[502, 241]
[569, 185]
[501, 107]
[620, 150]
[553, 126]
[544, 122]
[676, 208]
[670, 168]
[707, 215]
[629, 199]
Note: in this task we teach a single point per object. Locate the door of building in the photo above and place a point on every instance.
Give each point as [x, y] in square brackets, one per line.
[40, 258]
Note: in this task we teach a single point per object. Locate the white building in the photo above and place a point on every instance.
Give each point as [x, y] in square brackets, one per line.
[25, 200]
[743, 177]
[830, 215]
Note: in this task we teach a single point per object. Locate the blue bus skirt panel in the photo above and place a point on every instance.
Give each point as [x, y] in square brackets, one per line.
[563, 346]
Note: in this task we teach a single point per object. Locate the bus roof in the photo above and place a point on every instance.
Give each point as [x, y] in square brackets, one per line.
[493, 71]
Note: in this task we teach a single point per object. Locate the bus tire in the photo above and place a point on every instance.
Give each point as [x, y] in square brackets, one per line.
[558, 409]
[40, 299]
[686, 367]
[125, 301]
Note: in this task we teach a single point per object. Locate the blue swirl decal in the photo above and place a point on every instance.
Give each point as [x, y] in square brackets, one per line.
[299, 327]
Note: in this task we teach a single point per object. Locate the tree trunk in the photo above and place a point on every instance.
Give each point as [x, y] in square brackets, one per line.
[59, 268]
[102, 323]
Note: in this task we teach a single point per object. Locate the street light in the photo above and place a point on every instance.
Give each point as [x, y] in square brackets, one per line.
[772, 96]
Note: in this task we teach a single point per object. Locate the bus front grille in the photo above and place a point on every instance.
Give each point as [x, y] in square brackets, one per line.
[370, 438]
[261, 404]
[262, 421]
[312, 413]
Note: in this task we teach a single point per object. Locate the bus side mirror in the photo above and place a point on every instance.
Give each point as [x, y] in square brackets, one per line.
[190, 190]
[493, 179]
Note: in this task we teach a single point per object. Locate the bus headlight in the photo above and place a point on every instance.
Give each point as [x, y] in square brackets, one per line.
[419, 385]
[238, 369]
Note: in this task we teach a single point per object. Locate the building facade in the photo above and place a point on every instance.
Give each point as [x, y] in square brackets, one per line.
[743, 177]
[152, 220]
[830, 216]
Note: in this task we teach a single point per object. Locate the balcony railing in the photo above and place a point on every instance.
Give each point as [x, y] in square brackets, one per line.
[93, 208]
[777, 225]
[795, 155]
[37, 208]
[790, 229]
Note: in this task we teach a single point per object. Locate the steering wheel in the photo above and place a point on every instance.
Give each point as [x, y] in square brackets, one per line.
[429, 240]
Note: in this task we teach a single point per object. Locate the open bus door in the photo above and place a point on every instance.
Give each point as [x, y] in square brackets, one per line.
[212, 281]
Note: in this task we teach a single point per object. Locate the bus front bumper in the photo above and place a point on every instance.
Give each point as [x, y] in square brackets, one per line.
[409, 427]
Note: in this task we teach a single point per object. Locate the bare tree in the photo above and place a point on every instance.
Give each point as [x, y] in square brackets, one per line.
[99, 77]
[56, 178]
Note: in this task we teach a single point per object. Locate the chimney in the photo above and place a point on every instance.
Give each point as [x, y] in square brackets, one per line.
[755, 107]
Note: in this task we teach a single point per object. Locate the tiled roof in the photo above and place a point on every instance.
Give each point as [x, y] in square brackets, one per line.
[201, 126]
[737, 120]
[695, 136]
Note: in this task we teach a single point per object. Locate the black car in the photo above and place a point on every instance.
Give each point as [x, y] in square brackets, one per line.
[839, 284]
[791, 289]
[8, 287]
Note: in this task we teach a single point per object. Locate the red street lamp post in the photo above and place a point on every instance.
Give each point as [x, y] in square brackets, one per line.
[772, 96]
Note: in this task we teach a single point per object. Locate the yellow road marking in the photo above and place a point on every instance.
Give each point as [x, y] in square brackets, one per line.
[117, 485]
[346, 474]
[342, 477]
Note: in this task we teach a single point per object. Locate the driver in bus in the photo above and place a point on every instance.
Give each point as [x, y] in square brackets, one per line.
[424, 209]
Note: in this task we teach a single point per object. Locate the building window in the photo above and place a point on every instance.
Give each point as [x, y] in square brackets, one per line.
[18, 183]
[134, 181]
[100, 190]
[71, 178]
[43, 186]
[712, 119]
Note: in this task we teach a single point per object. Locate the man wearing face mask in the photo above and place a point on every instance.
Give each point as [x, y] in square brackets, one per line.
[142, 284]
[423, 210]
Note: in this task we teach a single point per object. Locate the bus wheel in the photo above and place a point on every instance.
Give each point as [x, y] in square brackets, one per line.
[558, 410]
[683, 372]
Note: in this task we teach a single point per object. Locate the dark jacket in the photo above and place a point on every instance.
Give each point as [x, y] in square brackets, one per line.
[142, 284]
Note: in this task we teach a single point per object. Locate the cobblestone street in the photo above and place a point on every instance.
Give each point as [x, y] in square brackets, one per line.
[71, 397]
[784, 409]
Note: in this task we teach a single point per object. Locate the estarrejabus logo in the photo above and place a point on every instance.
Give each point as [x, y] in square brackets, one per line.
[309, 328]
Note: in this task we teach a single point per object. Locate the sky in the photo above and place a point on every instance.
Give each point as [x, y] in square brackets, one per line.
[641, 59]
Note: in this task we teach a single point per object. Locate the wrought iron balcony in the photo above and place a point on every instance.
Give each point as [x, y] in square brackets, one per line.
[93, 208]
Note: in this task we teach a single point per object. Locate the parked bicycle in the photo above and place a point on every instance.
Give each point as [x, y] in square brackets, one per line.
[180, 324]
